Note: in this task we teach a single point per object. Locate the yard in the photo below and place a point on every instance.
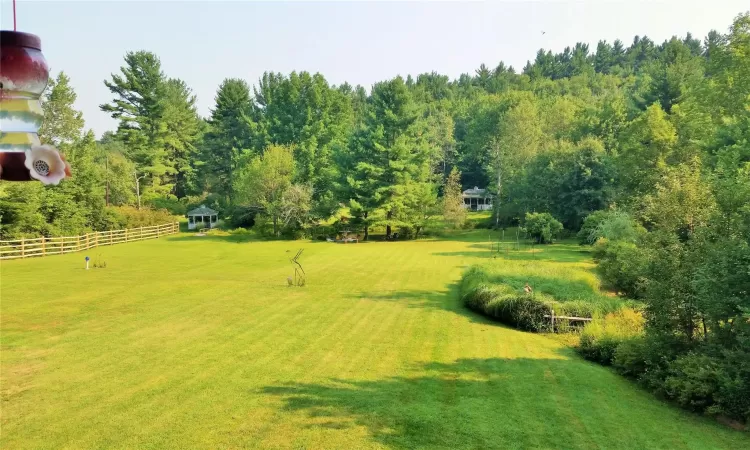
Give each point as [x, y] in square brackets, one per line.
[198, 342]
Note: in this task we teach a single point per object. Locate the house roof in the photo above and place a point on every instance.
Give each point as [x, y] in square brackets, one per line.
[476, 192]
[202, 210]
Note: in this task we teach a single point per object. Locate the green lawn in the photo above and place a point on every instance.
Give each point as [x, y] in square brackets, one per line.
[198, 342]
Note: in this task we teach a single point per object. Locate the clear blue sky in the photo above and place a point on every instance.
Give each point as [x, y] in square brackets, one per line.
[203, 42]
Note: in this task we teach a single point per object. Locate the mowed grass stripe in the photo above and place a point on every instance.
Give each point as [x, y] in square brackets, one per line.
[189, 342]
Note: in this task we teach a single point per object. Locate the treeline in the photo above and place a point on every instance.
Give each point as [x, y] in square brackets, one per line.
[574, 133]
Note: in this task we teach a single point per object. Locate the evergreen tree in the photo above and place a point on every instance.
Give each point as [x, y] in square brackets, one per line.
[182, 134]
[229, 136]
[140, 90]
[386, 162]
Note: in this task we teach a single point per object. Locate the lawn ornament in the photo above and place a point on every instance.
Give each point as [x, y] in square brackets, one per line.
[299, 272]
[23, 77]
[87, 263]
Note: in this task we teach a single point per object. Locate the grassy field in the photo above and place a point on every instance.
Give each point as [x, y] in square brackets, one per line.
[198, 342]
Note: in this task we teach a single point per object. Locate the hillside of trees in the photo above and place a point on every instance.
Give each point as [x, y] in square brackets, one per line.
[572, 133]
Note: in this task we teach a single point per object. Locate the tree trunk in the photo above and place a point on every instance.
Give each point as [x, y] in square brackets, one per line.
[106, 197]
[497, 199]
[367, 228]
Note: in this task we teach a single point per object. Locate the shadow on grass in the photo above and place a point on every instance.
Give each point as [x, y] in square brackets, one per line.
[524, 252]
[492, 403]
[445, 300]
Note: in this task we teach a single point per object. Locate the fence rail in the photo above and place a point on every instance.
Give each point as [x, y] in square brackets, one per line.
[27, 248]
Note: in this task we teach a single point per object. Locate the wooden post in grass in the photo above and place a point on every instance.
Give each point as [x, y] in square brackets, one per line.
[44, 252]
[78, 242]
[23, 250]
[552, 318]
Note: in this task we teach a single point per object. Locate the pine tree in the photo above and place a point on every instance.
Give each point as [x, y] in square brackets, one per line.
[140, 91]
[388, 162]
[229, 135]
[182, 131]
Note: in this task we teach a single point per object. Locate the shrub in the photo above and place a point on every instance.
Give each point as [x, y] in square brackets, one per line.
[242, 217]
[171, 203]
[629, 358]
[617, 226]
[601, 338]
[587, 233]
[622, 266]
[542, 227]
[129, 217]
[693, 381]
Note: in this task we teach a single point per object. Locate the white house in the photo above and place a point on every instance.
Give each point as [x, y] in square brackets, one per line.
[204, 215]
[477, 199]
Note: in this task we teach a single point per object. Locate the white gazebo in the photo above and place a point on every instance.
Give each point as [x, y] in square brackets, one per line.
[204, 215]
[477, 199]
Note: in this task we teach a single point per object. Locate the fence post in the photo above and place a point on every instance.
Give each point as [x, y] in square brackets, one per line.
[552, 316]
[96, 239]
[141, 236]
[88, 245]
[111, 237]
[126, 235]
[157, 231]
[78, 243]
[23, 245]
[44, 252]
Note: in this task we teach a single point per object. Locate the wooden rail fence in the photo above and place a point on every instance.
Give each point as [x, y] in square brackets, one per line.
[553, 317]
[27, 248]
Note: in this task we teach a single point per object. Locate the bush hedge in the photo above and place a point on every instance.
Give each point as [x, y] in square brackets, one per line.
[696, 376]
[488, 294]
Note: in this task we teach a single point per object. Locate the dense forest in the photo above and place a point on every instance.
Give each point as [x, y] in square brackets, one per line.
[644, 150]
[573, 133]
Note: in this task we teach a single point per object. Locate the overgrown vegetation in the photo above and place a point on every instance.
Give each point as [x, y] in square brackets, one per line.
[560, 279]
[601, 337]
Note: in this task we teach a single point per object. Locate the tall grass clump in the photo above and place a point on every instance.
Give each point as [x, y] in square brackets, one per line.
[601, 337]
[501, 297]
[501, 302]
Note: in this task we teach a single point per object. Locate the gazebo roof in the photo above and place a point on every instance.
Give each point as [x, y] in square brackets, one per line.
[202, 211]
[476, 192]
